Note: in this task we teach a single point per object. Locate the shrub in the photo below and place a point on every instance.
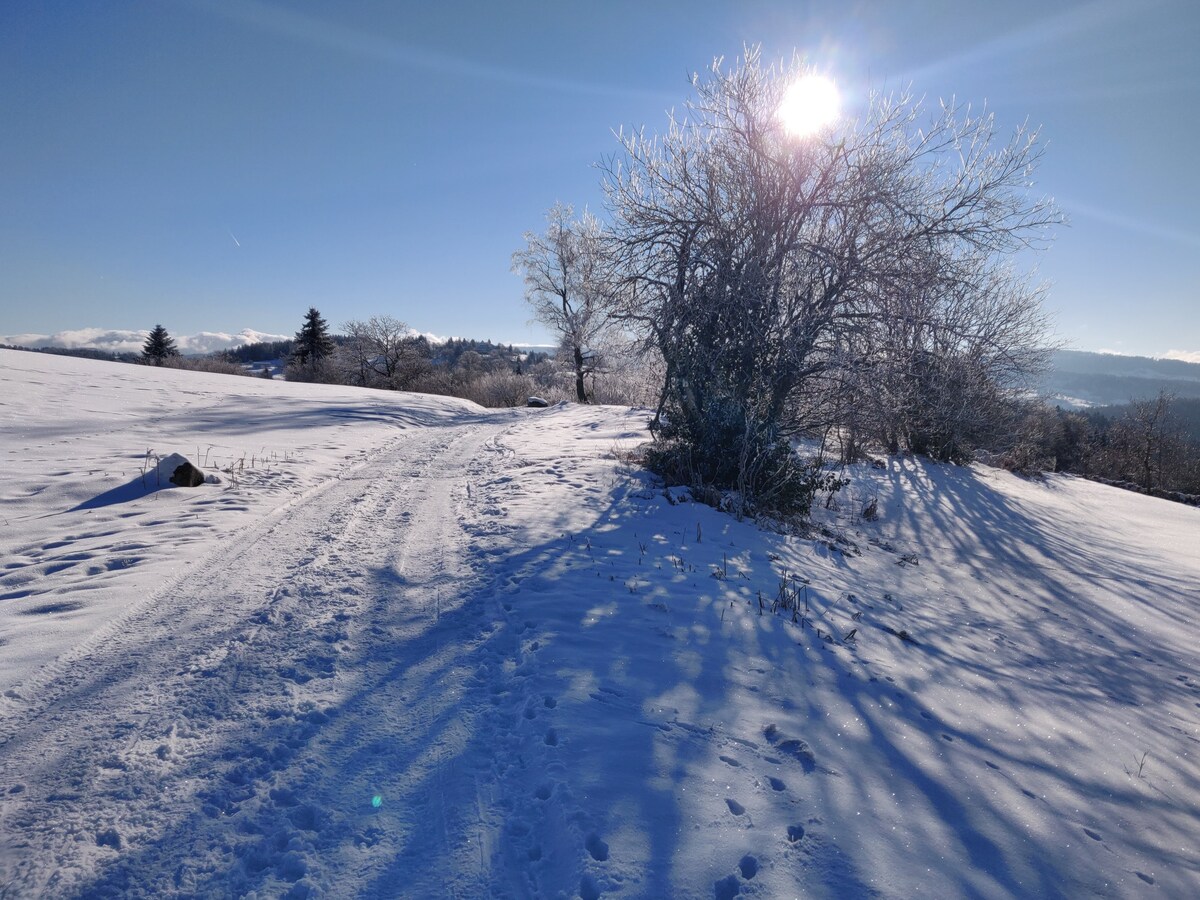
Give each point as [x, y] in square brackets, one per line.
[206, 364]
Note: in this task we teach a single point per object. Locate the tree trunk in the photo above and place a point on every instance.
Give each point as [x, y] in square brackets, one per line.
[580, 392]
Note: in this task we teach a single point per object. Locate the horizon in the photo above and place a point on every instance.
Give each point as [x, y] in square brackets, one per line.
[200, 343]
[234, 163]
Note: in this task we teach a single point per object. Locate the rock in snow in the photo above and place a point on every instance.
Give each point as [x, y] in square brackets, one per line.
[178, 470]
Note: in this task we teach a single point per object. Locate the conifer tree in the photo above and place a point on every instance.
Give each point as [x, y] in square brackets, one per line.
[313, 343]
[159, 347]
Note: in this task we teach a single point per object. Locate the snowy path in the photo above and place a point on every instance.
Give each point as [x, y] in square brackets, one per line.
[265, 700]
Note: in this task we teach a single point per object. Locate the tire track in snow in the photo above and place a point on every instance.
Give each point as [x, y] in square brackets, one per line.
[298, 713]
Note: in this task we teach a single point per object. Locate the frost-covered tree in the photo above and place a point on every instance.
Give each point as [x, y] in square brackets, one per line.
[159, 347]
[757, 262]
[568, 285]
[1146, 443]
[936, 367]
[383, 352]
[371, 347]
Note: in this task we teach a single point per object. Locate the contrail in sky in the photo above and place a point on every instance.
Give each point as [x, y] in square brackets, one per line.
[235, 240]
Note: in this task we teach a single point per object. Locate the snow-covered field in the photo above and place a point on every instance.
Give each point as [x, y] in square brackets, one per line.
[413, 648]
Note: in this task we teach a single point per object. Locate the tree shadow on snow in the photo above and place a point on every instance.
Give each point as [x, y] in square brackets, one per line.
[570, 722]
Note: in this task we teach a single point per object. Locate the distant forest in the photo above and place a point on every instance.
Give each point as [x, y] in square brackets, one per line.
[1185, 410]
[81, 352]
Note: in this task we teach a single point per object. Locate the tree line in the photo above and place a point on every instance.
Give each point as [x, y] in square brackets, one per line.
[1148, 445]
[382, 352]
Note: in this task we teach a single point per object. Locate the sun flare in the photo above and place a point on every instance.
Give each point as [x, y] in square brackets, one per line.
[809, 104]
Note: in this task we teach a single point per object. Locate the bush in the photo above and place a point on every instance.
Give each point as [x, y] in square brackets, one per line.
[499, 389]
[211, 364]
[315, 371]
[719, 459]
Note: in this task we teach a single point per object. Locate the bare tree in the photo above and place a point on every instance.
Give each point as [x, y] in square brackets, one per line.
[755, 261]
[378, 350]
[1146, 445]
[568, 284]
[939, 364]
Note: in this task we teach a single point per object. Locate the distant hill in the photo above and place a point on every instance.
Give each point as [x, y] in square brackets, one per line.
[1078, 379]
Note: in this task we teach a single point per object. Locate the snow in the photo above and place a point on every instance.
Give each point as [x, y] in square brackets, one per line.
[410, 647]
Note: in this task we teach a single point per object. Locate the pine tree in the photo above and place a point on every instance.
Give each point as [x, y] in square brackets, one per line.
[313, 343]
[159, 347]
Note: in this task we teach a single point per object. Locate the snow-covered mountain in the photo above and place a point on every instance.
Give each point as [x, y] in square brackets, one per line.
[409, 647]
[124, 341]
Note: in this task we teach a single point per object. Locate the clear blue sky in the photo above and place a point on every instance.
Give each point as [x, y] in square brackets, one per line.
[223, 165]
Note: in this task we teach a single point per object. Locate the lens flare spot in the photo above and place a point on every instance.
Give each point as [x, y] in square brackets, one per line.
[377, 801]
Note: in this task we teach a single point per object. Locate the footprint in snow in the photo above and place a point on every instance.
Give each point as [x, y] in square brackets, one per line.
[727, 888]
[1092, 834]
[736, 808]
[795, 833]
[793, 747]
[596, 847]
[777, 784]
[729, 760]
[306, 817]
[110, 837]
[748, 866]
[588, 889]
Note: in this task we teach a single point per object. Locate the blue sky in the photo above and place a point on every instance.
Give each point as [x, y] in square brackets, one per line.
[220, 166]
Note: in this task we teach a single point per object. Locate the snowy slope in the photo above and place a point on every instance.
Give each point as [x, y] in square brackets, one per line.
[87, 535]
[430, 650]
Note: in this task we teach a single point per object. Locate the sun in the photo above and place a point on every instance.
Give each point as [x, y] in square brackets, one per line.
[809, 104]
